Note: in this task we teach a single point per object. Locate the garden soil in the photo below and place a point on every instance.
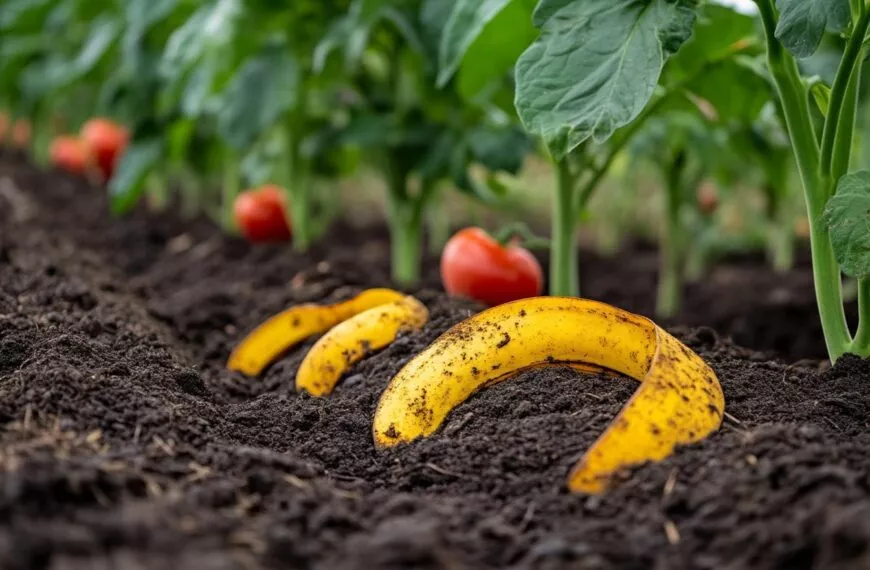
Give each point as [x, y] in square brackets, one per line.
[125, 443]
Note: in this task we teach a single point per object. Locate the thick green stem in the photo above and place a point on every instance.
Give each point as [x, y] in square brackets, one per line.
[844, 139]
[781, 246]
[229, 191]
[405, 219]
[43, 134]
[795, 105]
[191, 194]
[300, 215]
[670, 257]
[297, 180]
[564, 274]
[840, 95]
[861, 344]
[405, 246]
[158, 192]
[438, 226]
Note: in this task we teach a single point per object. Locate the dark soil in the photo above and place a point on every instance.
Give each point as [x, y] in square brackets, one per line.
[125, 443]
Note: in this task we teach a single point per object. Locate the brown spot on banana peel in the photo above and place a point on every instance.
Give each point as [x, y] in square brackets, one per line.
[352, 340]
[265, 344]
[555, 331]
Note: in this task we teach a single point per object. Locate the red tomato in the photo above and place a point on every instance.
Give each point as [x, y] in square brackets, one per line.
[107, 141]
[70, 154]
[475, 265]
[21, 133]
[260, 214]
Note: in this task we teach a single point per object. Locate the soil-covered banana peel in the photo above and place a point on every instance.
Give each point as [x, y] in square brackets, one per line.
[352, 340]
[270, 340]
[679, 400]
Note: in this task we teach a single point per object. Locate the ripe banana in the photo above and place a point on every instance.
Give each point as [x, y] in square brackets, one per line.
[679, 400]
[352, 340]
[283, 331]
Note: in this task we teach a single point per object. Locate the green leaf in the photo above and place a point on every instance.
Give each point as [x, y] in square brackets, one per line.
[496, 50]
[735, 92]
[595, 66]
[720, 32]
[198, 89]
[847, 216]
[104, 32]
[208, 30]
[466, 23]
[350, 33]
[263, 89]
[434, 15]
[547, 9]
[802, 23]
[503, 148]
[128, 183]
[821, 95]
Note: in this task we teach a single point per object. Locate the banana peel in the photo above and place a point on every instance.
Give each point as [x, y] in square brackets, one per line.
[270, 340]
[679, 400]
[352, 340]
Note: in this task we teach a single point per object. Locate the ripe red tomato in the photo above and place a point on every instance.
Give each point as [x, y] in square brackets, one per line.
[475, 265]
[70, 154]
[260, 214]
[107, 141]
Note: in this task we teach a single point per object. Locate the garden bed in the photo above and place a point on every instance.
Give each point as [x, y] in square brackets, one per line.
[127, 444]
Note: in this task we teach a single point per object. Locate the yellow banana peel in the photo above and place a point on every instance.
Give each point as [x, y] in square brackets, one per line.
[286, 329]
[679, 400]
[352, 340]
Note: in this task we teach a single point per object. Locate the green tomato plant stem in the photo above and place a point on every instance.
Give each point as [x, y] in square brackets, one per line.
[670, 281]
[564, 278]
[405, 218]
[297, 180]
[229, 190]
[861, 344]
[816, 164]
[843, 96]
[191, 193]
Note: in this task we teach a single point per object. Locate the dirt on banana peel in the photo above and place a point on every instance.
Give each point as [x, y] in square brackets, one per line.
[126, 443]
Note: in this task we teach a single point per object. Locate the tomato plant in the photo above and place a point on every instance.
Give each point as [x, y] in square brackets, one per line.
[836, 199]
[594, 75]
[420, 138]
[476, 265]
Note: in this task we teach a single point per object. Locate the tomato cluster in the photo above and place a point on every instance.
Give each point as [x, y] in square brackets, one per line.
[99, 146]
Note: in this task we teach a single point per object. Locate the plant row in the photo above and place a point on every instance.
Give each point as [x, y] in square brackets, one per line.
[454, 95]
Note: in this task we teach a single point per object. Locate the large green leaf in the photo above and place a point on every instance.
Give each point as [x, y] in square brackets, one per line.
[263, 89]
[802, 23]
[208, 30]
[434, 15]
[735, 92]
[847, 216]
[128, 183]
[467, 21]
[104, 31]
[595, 66]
